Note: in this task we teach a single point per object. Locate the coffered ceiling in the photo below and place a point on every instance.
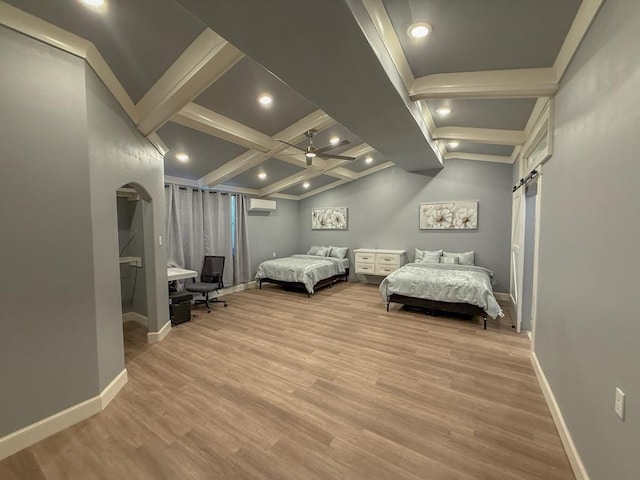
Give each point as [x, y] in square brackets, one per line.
[189, 74]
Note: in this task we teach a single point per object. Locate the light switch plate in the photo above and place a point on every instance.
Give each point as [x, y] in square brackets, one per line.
[619, 406]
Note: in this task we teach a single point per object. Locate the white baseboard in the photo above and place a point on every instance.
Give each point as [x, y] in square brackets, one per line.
[237, 288]
[135, 317]
[27, 436]
[155, 337]
[565, 435]
[505, 297]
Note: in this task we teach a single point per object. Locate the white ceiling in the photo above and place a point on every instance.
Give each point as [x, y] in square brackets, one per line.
[191, 90]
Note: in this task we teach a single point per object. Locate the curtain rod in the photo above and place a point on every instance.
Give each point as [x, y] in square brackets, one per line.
[196, 189]
[525, 180]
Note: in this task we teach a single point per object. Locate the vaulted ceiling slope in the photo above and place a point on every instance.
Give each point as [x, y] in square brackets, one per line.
[189, 74]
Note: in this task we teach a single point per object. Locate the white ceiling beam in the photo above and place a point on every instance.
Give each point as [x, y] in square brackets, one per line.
[283, 196]
[480, 135]
[212, 123]
[524, 82]
[204, 61]
[293, 134]
[57, 37]
[290, 181]
[233, 189]
[157, 142]
[343, 174]
[322, 189]
[583, 19]
[478, 156]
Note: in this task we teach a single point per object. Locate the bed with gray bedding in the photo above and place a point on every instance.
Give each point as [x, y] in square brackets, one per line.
[303, 271]
[457, 288]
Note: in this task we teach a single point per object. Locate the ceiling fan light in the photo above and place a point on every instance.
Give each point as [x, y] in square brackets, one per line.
[309, 154]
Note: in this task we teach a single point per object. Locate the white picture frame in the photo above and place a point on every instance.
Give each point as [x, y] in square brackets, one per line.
[449, 216]
[330, 218]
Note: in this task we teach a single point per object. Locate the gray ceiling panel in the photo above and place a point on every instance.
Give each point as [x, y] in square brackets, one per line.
[235, 95]
[504, 113]
[314, 183]
[361, 164]
[469, 147]
[139, 39]
[476, 35]
[206, 153]
[275, 169]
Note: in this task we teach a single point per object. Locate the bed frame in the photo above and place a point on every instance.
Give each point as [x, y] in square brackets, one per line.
[301, 286]
[433, 305]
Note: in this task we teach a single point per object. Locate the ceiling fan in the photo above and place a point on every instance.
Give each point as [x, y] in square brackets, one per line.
[311, 151]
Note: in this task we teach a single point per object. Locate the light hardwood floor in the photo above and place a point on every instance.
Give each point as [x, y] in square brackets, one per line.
[279, 386]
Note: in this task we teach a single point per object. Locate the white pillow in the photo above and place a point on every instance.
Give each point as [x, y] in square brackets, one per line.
[318, 251]
[450, 260]
[464, 258]
[338, 252]
[430, 257]
[421, 253]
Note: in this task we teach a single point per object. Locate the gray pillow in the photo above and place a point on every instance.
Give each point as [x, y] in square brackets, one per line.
[450, 260]
[421, 253]
[318, 251]
[464, 258]
[430, 257]
[338, 252]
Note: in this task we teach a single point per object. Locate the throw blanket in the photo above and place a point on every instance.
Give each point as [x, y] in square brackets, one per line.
[306, 269]
[443, 283]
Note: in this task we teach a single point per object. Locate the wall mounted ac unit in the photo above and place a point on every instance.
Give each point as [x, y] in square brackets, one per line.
[260, 205]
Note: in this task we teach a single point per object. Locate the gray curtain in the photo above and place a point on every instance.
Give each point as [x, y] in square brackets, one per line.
[217, 230]
[199, 223]
[241, 261]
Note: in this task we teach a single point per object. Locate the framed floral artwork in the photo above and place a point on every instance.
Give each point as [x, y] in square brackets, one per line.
[449, 216]
[334, 218]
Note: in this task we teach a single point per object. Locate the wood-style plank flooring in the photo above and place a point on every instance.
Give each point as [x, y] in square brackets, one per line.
[281, 386]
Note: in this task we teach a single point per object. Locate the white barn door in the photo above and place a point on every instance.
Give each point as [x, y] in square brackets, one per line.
[517, 257]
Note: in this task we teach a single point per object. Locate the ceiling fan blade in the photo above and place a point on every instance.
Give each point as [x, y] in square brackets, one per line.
[329, 147]
[291, 145]
[339, 157]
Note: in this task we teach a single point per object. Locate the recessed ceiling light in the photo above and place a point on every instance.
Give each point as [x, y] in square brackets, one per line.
[183, 157]
[93, 3]
[306, 184]
[262, 175]
[368, 160]
[334, 140]
[443, 111]
[453, 144]
[419, 30]
[265, 99]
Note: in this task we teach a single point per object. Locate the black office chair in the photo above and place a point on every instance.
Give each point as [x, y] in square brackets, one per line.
[210, 280]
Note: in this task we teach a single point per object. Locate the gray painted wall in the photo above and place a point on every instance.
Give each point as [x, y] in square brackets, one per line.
[587, 327]
[65, 147]
[270, 232]
[119, 155]
[383, 213]
[48, 341]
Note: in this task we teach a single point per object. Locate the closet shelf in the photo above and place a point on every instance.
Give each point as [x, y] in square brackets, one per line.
[133, 261]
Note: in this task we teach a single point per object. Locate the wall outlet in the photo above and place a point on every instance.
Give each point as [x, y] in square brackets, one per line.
[619, 406]
[274, 254]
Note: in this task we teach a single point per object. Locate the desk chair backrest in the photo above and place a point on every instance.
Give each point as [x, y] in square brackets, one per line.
[212, 270]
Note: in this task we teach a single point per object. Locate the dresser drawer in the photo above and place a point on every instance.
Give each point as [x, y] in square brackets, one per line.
[387, 259]
[365, 257]
[369, 268]
[385, 270]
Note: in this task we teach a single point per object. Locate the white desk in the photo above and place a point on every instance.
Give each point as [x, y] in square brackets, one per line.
[175, 273]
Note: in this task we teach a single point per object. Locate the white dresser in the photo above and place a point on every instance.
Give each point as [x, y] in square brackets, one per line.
[375, 261]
